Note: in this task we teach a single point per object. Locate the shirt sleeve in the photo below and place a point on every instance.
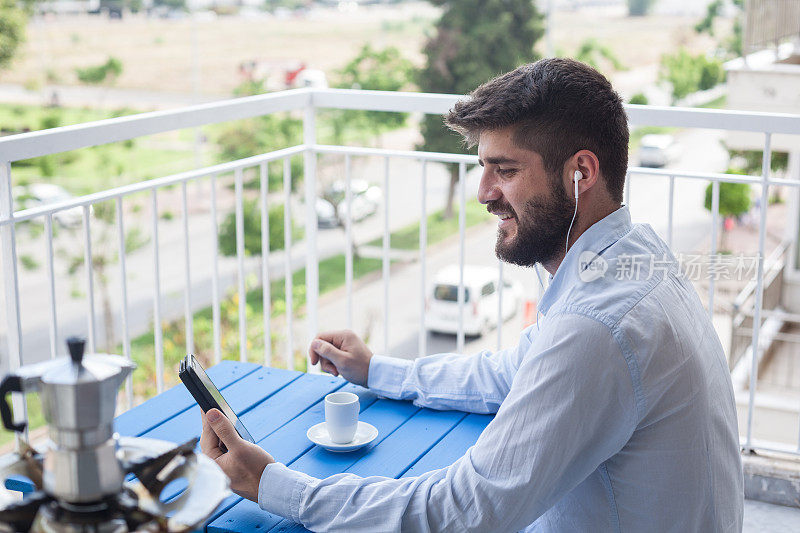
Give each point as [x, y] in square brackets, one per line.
[477, 383]
[571, 407]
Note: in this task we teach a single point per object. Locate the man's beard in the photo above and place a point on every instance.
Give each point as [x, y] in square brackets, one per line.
[541, 230]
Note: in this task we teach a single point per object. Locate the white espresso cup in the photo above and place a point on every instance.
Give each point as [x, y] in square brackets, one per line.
[341, 416]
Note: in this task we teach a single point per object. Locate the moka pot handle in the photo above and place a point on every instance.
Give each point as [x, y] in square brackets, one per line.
[11, 383]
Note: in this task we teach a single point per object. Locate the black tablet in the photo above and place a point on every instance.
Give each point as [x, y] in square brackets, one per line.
[206, 394]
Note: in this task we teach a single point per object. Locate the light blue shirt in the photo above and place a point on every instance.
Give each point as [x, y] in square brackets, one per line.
[614, 413]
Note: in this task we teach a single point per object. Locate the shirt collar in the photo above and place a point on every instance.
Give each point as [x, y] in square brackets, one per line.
[596, 238]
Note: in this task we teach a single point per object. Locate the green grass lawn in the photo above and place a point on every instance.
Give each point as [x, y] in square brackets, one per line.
[717, 103]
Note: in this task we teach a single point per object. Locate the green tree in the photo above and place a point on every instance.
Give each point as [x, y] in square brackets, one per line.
[13, 20]
[135, 5]
[375, 70]
[272, 5]
[752, 160]
[638, 99]
[639, 8]
[733, 43]
[178, 5]
[474, 41]
[734, 200]
[597, 55]
[260, 135]
[105, 73]
[687, 73]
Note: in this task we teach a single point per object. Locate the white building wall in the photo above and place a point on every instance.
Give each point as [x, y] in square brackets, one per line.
[769, 81]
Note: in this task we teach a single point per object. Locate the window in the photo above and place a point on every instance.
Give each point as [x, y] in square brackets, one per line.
[449, 293]
[488, 289]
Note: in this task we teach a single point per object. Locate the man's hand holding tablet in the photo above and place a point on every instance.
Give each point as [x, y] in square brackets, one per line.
[224, 438]
[243, 461]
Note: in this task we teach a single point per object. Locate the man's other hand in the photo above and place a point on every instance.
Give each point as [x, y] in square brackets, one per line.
[342, 353]
[243, 462]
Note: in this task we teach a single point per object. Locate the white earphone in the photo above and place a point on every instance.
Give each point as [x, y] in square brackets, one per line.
[575, 178]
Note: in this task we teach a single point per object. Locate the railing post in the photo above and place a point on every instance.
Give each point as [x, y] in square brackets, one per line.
[462, 228]
[87, 263]
[423, 244]
[11, 282]
[759, 294]
[793, 227]
[386, 261]
[266, 294]
[713, 258]
[240, 251]
[310, 181]
[158, 333]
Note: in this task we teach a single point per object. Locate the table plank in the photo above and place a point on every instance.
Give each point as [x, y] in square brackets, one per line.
[405, 446]
[452, 446]
[144, 417]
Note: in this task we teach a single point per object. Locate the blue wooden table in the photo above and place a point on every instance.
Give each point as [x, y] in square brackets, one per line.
[278, 406]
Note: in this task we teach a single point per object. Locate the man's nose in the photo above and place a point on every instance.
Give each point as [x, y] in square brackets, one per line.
[487, 189]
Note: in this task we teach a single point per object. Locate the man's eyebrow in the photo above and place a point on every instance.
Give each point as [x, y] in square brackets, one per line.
[498, 161]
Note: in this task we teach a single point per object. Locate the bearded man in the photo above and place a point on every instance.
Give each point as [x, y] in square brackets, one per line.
[615, 412]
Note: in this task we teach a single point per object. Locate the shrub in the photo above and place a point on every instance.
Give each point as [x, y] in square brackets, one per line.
[638, 99]
[252, 230]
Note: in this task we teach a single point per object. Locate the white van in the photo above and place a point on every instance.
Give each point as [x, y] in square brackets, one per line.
[480, 300]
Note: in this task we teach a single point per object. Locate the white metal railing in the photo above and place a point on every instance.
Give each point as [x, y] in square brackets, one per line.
[308, 101]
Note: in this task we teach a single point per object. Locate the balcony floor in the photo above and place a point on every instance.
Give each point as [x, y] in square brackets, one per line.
[760, 517]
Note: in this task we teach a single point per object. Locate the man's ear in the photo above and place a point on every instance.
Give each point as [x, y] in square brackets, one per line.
[587, 163]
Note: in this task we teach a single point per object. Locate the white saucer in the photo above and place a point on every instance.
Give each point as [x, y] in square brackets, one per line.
[318, 434]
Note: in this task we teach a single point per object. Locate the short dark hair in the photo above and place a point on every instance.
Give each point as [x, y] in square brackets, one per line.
[559, 106]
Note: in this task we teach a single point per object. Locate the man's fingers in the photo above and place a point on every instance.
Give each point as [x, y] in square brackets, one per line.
[328, 367]
[209, 442]
[223, 428]
[336, 338]
[327, 350]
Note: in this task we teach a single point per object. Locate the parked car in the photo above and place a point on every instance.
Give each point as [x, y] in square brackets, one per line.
[365, 201]
[38, 194]
[480, 300]
[657, 150]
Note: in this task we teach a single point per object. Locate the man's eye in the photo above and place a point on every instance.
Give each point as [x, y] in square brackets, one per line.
[506, 171]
